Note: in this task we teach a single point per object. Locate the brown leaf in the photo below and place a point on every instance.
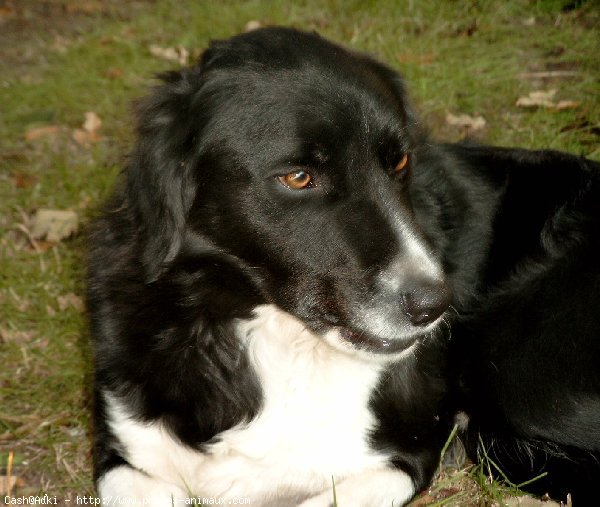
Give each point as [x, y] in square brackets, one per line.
[92, 122]
[539, 98]
[85, 137]
[7, 12]
[176, 54]
[54, 225]
[252, 25]
[422, 501]
[114, 73]
[424, 59]
[39, 132]
[23, 180]
[84, 6]
[465, 121]
[544, 99]
[567, 104]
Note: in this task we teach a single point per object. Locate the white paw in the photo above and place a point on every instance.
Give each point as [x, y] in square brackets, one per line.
[124, 485]
[376, 488]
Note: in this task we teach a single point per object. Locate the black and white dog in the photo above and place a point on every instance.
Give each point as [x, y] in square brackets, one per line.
[271, 290]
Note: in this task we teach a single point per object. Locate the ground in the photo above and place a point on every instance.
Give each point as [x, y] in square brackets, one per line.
[468, 64]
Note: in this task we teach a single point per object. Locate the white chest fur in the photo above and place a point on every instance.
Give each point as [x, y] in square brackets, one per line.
[314, 423]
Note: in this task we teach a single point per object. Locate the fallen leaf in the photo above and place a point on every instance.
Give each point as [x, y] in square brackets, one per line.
[23, 180]
[566, 104]
[176, 54]
[465, 121]
[39, 132]
[85, 137]
[88, 133]
[7, 12]
[424, 59]
[539, 98]
[423, 500]
[252, 25]
[92, 122]
[54, 225]
[84, 7]
[544, 99]
[114, 73]
[529, 21]
[70, 300]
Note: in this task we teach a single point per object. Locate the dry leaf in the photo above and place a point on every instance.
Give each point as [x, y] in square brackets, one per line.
[538, 98]
[92, 122]
[54, 225]
[466, 121]
[423, 500]
[424, 59]
[23, 180]
[7, 12]
[88, 133]
[566, 104]
[39, 132]
[544, 99]
[176, 54]
[114, 73]
[84, 6]
[70, 300]
[252, 25]
[85, 137]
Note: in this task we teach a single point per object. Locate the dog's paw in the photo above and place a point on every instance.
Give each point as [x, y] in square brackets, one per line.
[376, 488]
[126, 486]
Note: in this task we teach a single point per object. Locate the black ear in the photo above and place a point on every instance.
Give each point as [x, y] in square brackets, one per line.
[396, 83]
[159, 177]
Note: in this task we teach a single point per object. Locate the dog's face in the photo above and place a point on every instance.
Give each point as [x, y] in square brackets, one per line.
[291, 157]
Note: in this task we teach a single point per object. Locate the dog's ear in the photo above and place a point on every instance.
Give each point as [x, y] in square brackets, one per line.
[396, 83]
[160, 186]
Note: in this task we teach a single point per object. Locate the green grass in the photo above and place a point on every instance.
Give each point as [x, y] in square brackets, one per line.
[459, 57]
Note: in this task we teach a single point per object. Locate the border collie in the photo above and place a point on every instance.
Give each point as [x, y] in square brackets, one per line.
[271, 288]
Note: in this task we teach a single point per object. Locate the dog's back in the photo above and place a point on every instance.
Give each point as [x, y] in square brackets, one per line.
[527, 349]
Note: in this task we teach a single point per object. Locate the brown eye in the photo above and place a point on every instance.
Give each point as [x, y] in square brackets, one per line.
[298, 180]
[402, 164]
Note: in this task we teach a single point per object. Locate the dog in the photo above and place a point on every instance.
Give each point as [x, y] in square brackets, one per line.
[293, 290]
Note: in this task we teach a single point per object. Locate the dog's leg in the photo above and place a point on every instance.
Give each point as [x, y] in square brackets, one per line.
[376, 488]
[124, 485]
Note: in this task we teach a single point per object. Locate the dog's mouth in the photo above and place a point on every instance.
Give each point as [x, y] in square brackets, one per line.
[369, 343]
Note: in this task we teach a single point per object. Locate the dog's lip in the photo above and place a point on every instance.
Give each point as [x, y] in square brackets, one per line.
[364, 341]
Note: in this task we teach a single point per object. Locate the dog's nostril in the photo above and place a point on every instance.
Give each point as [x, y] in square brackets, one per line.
[426, 304]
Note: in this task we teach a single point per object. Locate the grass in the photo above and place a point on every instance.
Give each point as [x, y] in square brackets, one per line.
[60, 59]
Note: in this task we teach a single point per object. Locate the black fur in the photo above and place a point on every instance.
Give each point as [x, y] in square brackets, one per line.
[527, 350]
[200, 233]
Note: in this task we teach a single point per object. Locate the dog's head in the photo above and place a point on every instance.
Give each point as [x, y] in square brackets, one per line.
[290, 158]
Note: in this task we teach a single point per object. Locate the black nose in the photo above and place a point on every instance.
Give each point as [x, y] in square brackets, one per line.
[426, 303]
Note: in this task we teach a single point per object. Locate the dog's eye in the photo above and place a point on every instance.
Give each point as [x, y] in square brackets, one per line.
[402, 165]
[298, 180]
